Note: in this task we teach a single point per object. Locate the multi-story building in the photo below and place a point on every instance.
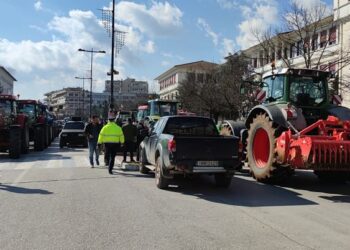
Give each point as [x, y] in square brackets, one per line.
[169, 80]
[328, 48]
[128, 85]
[69, 102]
[6, 81]
[127, 93]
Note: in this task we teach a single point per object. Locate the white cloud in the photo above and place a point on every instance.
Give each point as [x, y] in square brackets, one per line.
[48, 65]
[160, 19]
[165, 63]
[258, 16]
[228, 46]
[38, 5]
[208, 30]
[227, 4]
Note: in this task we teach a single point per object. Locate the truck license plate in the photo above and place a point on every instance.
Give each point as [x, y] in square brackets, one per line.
[207, 163]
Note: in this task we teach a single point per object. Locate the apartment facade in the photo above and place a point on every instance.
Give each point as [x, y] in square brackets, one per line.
[329, 44]
[6, 81]
[170, 80]
[127, 93]
[69, 102]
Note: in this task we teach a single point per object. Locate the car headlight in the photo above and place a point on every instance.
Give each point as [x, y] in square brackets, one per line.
[63, 135]
[80, 134]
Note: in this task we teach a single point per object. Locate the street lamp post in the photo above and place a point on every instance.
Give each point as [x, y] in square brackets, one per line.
[83, 78]
[92, 51]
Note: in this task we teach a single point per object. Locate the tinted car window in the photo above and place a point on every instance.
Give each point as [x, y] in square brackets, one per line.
[191, 126]
[74, 125]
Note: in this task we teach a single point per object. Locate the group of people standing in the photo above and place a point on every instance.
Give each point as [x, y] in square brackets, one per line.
[114, 138]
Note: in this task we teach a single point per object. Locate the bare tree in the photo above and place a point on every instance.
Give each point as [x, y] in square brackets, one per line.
[218, 93]
[303, 32]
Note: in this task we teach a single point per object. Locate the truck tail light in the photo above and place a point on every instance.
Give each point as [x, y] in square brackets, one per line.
[172, 145]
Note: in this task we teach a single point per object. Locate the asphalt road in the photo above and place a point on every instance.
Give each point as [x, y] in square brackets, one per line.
[53, 200]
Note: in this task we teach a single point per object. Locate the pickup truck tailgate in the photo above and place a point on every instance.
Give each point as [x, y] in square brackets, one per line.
[206, 148]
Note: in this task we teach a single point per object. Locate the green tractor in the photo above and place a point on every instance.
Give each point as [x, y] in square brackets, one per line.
[296, 126]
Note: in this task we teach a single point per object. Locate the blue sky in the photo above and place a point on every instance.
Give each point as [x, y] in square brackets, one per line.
[39, 39]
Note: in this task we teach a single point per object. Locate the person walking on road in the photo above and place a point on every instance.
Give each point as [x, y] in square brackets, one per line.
[92, 131]
[130, 133]
[112, 137]
[142, 132]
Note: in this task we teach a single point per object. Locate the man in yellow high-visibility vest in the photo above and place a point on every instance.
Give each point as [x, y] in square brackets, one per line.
[112, 137]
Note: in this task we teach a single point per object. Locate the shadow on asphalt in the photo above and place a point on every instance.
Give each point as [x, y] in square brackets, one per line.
[22, 190]
[307, 180]
[53, 152]
[36, 156]
[243, 192]
[337, 198]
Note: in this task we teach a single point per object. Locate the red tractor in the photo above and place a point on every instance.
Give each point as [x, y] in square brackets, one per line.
[40, 130]
[295, 127]
[14, 129]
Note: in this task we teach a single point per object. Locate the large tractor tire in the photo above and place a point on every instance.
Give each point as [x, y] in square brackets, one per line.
[261, 152]
[39, 138]
[15, 143]
[25, 140]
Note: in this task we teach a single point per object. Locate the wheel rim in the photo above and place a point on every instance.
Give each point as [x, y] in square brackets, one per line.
[261, 148]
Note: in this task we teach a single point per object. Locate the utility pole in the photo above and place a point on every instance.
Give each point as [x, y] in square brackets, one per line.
[92, 51]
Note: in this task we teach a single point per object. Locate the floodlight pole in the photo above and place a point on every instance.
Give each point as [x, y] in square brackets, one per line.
[111, 105]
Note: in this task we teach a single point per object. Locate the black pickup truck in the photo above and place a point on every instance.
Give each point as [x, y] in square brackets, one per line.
[188, 145]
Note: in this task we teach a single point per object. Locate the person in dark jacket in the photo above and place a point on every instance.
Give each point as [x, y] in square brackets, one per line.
[130, 134]
[142, 132]
[92, 130]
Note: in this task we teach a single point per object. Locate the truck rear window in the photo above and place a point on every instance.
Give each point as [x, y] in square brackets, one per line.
[74, 125]
[191, 126]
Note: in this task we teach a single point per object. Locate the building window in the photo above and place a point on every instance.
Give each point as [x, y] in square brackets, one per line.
[285, 53]
[323, 39]
[306, 44]
[314, 42]
[332, 35]
[299, 48]
[255, 62]
[261, 58]
[279, 54]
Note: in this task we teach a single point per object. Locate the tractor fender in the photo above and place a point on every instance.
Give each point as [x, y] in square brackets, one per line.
[235, 126]
[274, 113]
[340, 112]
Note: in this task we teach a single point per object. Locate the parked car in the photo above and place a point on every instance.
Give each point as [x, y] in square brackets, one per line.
[73, 134]
[123, 116]
[188, 145]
